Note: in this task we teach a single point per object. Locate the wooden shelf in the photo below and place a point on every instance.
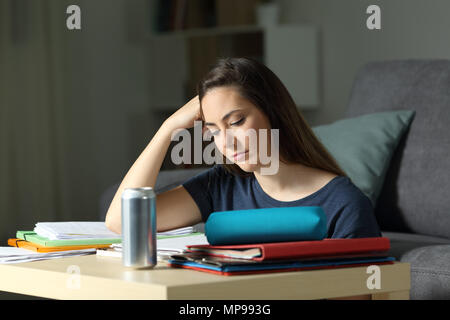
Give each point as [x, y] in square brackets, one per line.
[181, 58]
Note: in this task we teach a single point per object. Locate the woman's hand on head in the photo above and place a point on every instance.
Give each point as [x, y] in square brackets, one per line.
[185, 117]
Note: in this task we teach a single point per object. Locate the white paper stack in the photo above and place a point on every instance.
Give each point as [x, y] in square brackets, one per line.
[89, 230]
[165, 247]
[177, 232]
[16, 255]
[74, 230]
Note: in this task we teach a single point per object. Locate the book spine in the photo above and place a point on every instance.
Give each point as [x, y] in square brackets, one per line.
[163, 15]
[173, 13]
[184, 14]
[179, 14]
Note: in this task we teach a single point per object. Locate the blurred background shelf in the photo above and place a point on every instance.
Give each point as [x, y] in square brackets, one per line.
[187, 37]
[205, 32]
[182, 58]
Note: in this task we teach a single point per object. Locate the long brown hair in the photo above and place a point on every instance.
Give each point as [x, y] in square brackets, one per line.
[258, 84]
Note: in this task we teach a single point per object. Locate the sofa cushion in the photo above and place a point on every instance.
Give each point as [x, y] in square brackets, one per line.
[402, 243]
[430, 272]
[363, 146]
[427, 268]
[414, 197]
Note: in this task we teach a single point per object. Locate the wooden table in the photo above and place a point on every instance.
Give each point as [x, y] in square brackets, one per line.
[97, 277]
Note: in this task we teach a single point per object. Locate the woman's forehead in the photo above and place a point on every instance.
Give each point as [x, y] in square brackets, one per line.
[221, 96]
[220, 101]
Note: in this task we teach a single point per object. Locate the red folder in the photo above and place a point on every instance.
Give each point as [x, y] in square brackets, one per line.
[302, 249]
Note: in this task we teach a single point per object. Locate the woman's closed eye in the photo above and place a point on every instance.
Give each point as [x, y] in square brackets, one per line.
[237, 123]
[214, 133]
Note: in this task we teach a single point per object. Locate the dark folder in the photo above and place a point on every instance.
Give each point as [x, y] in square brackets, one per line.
[231, 267]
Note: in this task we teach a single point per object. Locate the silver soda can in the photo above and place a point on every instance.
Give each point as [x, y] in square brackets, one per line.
[139, 228]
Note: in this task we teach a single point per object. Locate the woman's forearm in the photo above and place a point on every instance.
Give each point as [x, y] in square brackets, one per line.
[143, 173]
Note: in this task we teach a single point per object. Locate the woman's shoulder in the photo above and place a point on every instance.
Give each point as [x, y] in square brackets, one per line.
[344, 189]
[340, 187]
[354, 211]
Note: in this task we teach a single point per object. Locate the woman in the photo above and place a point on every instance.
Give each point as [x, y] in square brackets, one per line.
[240, 95]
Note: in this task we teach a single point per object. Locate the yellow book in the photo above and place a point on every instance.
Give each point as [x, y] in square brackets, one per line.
[19, 243]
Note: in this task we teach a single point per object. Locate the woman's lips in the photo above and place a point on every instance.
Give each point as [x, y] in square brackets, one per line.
[240, 156]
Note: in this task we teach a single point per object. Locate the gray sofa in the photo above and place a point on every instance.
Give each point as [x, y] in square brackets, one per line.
[414, 206]
[413, 209]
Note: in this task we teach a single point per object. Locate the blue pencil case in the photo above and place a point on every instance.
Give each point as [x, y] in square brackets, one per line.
[266, 225]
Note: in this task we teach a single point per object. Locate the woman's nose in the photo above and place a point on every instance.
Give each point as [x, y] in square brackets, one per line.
[228, 143]
[235, 142]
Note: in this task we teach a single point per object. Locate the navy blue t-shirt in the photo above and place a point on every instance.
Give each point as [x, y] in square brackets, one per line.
[349, 211]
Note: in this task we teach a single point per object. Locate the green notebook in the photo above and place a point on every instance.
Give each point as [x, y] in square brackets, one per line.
[31, 236]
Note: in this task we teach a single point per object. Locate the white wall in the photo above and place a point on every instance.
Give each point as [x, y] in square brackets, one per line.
[410, 29]
[107, 109]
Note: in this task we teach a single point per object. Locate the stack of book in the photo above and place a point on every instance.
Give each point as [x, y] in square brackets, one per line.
[284, 256]
[65, 236]
[51, 240]
[173, 15]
